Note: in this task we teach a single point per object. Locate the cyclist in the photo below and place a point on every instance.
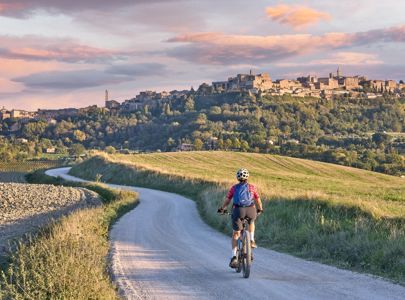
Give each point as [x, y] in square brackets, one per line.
[244, 196]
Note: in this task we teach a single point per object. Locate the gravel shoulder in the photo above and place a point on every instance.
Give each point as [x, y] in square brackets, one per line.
[163, 250]
[25, 208]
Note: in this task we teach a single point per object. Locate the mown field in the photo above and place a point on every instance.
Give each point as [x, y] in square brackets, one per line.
[280, 176]
[343, 216]
[16, 171]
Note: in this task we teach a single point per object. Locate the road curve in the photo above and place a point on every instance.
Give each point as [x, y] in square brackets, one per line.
[163, 250]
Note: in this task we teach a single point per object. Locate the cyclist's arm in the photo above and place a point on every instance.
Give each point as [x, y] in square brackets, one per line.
[259, 203]
[226, 203]
[228, 198]
[257, 199]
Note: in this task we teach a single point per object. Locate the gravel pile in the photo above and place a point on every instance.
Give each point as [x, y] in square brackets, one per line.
[26, 207]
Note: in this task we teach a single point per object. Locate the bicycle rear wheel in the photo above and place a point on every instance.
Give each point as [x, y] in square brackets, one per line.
[246, 254]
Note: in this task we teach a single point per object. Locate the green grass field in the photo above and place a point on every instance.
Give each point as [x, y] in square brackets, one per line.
[343, 216]
[280, 176]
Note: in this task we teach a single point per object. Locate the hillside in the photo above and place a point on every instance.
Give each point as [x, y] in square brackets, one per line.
[338, 215]
[362, 133]
[382, 195]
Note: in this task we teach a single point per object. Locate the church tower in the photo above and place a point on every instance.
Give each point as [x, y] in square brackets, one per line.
[106, 95]
[338, 72]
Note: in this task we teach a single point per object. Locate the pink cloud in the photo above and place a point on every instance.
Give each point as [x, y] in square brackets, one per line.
[339, 58]
[46, 49]
[296, 15]
[17, 67]
[220, 48]
[349, 58]
[8, 86]
[11, 7]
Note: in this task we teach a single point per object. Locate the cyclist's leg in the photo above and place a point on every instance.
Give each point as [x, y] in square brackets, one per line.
[252, 214]
[237, 227]
[235, 237]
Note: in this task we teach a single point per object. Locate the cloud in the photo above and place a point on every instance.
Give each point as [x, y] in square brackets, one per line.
[23, 8]
[220, 48]
[339, 58]
[7, 86]
[142, 69]
[349, 58]
[38, 48]
[67, 80]
[296, 15]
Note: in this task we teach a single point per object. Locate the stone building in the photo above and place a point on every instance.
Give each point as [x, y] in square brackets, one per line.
[288, 84]
[220, 86]
[390, 85]
[112, 104]
[244, 82]
[327, 83]
[349, 83]
[4, 114]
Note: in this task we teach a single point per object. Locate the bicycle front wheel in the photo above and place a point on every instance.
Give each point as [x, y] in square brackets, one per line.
[247, 255]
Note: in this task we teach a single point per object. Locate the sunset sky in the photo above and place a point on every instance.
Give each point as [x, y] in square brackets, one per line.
[56, 53]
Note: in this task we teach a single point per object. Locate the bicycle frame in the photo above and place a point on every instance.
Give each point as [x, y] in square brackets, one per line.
[244, 252]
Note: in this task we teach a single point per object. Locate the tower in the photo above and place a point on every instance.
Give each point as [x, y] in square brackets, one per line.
[338, 72]
[106, 95]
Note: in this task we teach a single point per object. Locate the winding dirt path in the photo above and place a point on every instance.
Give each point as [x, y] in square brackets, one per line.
[163, 250]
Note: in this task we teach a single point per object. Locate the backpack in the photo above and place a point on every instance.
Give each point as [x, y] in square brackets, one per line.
[242, 195]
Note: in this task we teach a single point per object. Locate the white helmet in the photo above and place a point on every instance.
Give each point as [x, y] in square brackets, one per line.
[242, 174]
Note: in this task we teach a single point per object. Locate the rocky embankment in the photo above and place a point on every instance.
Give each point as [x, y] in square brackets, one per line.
[26, 207]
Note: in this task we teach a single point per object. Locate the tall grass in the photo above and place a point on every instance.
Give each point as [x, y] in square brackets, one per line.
[350, 231]
[68, 260]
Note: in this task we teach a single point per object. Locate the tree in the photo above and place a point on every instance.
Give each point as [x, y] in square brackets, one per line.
[215, 110]
[244, 146]
[167, 109]
[228, 144]
[110, 150]
[189, 104]
[381, 138]
[79, 135]
[201, 119]
[198, 144]
[236, 143]
[77, 150]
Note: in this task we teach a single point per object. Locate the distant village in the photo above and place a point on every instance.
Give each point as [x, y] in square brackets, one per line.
[334, 85]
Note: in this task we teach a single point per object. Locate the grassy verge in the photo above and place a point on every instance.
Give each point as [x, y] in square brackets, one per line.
[308, 225]
[68, 260]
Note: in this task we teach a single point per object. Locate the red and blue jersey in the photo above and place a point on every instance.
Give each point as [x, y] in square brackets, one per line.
[243, 194]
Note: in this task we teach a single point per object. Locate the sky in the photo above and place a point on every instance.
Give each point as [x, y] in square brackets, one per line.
[58, 54]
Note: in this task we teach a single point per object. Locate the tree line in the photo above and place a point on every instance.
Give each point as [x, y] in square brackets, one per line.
[363, 133]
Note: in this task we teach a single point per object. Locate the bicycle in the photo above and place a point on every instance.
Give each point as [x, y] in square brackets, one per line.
[244, 250]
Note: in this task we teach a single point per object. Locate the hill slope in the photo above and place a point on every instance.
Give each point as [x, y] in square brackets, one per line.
[381, 195]
[348, 217]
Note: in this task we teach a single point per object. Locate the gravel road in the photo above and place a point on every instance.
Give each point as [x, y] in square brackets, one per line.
[26, 207]
[163, 250]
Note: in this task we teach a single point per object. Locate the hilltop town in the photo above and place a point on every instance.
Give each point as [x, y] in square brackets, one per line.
[335, 85]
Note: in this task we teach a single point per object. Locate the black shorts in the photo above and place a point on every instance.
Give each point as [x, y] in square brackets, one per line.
[241, 212]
